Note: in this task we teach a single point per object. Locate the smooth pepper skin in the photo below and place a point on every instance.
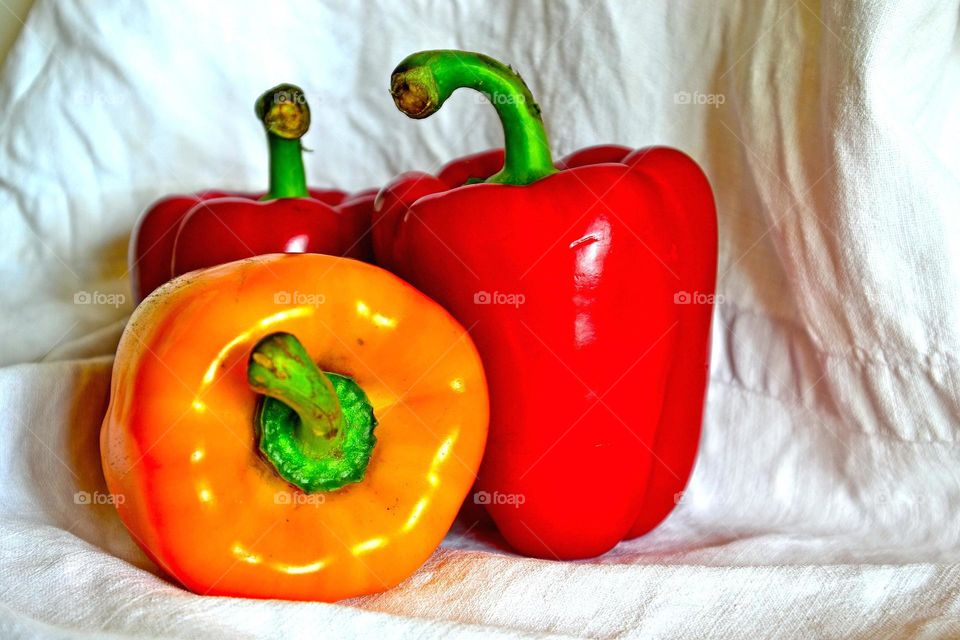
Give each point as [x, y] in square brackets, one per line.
[180, 438]
[587, 286]
[181, 233]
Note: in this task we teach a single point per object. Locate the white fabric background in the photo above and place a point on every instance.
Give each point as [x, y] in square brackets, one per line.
[824, 501]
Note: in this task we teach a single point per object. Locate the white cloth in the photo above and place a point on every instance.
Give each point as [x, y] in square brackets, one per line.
[825, 497]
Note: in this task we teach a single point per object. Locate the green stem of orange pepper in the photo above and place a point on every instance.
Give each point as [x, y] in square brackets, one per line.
[315, 428]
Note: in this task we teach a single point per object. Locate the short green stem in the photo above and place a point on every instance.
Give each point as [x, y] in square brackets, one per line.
[281, 368]
[286, 117]
[315, 428]
[423, 81]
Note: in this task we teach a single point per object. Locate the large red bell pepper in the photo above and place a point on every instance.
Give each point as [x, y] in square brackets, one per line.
[588, 288]
[185, 232]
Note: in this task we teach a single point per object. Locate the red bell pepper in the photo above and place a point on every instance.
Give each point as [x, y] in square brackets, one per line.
[587, 287]
[185, 232]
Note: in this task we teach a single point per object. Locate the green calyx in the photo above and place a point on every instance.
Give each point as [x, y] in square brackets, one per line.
[285, 115]
[423, 82]
[315, 428]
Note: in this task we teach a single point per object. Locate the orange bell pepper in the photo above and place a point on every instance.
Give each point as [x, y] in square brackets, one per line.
[246, 470]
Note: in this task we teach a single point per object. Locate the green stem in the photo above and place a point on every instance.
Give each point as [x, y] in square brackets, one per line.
[286, 117]
[423, 81]
[315, 428]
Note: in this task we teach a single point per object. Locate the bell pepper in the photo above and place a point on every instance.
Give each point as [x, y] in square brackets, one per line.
[292, 426]
[573, 278]
[181, 233]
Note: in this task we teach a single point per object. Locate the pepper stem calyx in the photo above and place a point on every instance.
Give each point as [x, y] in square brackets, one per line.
[423, 81]
[315, 428]
[285, 115]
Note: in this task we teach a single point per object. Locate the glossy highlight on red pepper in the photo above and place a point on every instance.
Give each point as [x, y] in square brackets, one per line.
[181, 233]
[587, 286]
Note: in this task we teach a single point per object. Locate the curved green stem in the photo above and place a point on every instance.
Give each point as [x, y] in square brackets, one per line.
[423, 81]
[286, 117]
[315, 428]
